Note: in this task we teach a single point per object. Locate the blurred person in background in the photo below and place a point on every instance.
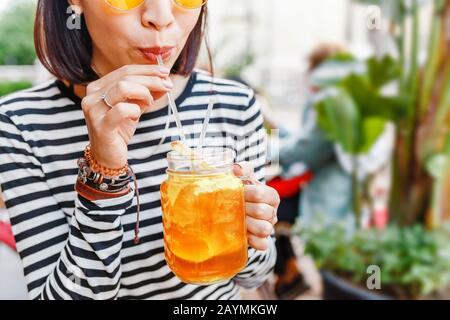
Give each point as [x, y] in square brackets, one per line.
[316, 181]
[312, 181]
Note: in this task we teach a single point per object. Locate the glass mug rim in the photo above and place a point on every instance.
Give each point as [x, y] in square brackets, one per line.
[219, 158]
[177, 2]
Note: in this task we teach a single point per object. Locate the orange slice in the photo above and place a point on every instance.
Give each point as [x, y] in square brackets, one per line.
[189, 247]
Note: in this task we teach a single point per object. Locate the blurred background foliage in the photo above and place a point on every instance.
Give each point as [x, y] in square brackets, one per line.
[414, 262]
[16, 33]
[9, 87]
[412, 251]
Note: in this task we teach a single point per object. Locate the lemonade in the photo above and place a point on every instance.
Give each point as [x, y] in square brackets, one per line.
[204, 225]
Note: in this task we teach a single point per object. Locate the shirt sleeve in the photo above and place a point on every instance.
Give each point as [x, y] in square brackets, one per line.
[63, 257]
[252, 148]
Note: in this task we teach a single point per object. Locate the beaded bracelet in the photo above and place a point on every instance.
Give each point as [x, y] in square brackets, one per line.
[97, 181]
[118, 179]
[95, 166]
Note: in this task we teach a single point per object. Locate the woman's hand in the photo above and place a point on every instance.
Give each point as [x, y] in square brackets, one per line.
[131, 90]
[261, 204]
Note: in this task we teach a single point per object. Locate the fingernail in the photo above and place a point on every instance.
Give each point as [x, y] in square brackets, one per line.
[164, 70]
[168, 84]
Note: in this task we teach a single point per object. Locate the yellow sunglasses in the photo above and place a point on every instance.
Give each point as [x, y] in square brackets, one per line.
[125, 5]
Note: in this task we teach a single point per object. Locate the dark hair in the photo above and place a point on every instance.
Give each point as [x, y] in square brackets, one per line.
[67, 54]
[323, 52]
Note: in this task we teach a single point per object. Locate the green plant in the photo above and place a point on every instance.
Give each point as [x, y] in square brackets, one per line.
[354, 111]
[424, 133]
[420, 110]
[414, 262]
[10, 87]
[16, 33]
[412, 253]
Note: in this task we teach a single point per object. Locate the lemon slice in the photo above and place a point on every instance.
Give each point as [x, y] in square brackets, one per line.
[184, 150]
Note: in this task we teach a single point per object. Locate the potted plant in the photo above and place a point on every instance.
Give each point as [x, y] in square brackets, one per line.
[411, 251]
[399, 262]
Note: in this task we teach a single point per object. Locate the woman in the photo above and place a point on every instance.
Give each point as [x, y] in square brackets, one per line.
[109, 94]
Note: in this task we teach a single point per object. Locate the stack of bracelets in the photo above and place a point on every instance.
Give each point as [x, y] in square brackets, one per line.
[96, 182]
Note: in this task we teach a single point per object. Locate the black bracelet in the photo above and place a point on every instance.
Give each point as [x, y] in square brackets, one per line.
[97, 181]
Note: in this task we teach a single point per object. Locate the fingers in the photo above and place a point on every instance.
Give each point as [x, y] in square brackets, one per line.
[157, 86]
[275, 219]
[129, 70]
[122, 111]
[262, 194]
[131, 89]
[261, 211]
[124, 91]
[259, 228]
[137, 88]
[261, 202]
[257, 243]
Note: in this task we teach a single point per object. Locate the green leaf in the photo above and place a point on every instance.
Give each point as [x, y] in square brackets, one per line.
[359, 89]
[371, 103]
[342, 57]
[382, 71]
[389, 108]
[339, 117]
[373, 128]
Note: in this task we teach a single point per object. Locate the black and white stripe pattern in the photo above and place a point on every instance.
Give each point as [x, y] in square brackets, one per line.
[72, 248]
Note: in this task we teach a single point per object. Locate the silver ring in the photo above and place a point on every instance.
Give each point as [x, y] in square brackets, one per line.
[105, 100]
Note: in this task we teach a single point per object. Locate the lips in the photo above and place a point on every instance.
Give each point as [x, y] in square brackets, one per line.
[151, 53]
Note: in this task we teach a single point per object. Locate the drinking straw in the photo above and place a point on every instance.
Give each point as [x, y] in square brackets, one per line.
[205, 125]
[173, 106]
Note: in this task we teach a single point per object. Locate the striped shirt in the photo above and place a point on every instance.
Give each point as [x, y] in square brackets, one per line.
[72, 248]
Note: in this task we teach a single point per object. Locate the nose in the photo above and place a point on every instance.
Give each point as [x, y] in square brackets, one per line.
[158, 14]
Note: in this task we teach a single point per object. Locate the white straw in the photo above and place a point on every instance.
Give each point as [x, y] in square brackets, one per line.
[173, 106]
[205, 125]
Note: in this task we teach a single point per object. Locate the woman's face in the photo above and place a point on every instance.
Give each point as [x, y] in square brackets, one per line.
[135, 37]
